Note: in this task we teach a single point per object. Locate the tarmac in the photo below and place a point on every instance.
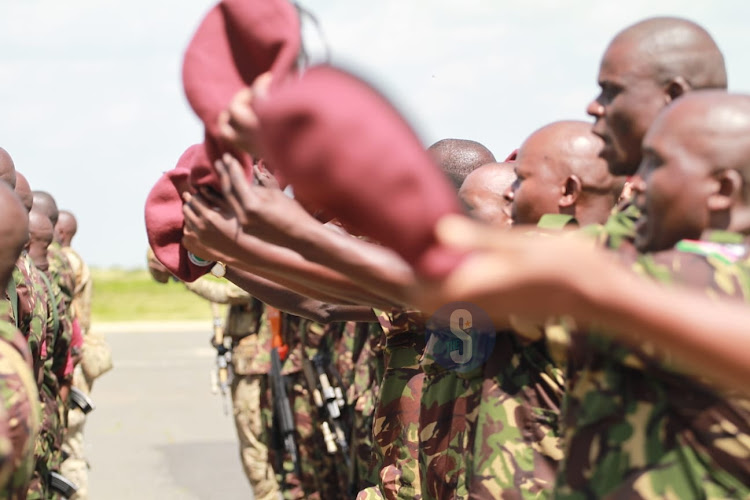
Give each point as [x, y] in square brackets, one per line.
[157, 431]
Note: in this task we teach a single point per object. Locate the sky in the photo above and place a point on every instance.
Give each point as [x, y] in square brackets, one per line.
[93, 109]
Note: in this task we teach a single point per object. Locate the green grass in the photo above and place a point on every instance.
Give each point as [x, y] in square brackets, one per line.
[132, 295]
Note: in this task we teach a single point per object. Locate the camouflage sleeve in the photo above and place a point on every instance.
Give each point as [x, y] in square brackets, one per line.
[219, 292]
[83, 288]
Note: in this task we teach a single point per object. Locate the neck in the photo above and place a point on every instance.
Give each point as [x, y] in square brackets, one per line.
[740, 221]
[593, 210]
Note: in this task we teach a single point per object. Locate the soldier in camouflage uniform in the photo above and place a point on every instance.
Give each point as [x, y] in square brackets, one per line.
[20, 408]
[75, 467]
[670, 433]
[57, 361]
[497, 430]
[249, 343]
[321, 474]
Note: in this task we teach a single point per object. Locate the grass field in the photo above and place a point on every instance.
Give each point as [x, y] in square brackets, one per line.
[131, 295]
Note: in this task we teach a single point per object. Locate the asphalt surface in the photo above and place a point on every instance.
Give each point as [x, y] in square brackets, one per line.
[157, 431]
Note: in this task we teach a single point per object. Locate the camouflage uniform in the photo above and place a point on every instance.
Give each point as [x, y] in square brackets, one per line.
[57, 348]
[396, 419]
[638, 426]
[75, 467]
[250, 364]
[321, 474]
[363, 397]
[21, 408]
[31, 306]
[491, 432]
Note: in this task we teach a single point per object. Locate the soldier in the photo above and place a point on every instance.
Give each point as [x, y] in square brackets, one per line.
[94, 353]
[20, 408]
[560, 172]
[483, 190]
[57, 362]
[250, 345]
[645, 67]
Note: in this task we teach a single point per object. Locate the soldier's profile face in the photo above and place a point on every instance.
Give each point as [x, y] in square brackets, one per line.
[627, 104]
[677, 181]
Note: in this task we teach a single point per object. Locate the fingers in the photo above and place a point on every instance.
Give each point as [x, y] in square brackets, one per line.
[228, 190]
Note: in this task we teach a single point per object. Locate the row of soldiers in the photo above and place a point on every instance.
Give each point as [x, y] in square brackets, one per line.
[45, 311]
[584, 389]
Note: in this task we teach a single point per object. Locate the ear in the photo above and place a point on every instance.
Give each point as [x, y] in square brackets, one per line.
[675, 88]
[571, 190]
[728, 190]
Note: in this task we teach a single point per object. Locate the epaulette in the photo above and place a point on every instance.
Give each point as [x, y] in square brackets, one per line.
[726, 252]
[556, 221]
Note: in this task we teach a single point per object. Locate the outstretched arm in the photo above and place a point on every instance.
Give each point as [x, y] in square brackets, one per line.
[285, 300]
[516, 274]
[273, 217]
[215, 235]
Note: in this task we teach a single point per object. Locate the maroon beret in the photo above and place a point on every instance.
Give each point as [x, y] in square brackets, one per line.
[345, 149]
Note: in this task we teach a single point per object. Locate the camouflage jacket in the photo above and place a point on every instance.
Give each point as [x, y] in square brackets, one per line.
[83, 288]
[30, 304]
[636, 425]
[20, 413]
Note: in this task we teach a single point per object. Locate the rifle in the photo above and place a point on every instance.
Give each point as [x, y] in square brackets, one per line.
[283, 417]
[329, 400]
[222, 376]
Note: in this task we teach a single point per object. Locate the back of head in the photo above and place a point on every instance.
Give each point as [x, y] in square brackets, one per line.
[457, 158]
[672, 48]
[7, 169]
[482, 193]
[66, 228]
[23, 191]
[46, 204]
[41, 234]
[14, 231]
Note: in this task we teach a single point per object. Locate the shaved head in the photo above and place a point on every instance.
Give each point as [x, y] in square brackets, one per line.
[483, 193]
[14, 231]
[457, 158]
[668, 47]
[695, 170]
[46, 204]
[7, 169]
[66, 228]
[41, 233]
[23, 191]
[645, 67]
[560, 171]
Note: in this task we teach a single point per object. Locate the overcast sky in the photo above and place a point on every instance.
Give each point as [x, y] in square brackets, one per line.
[93, 109]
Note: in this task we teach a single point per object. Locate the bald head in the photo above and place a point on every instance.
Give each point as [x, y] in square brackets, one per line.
[667, 48]
[66, 228]
[46, 204]
[483, 193]
[695, 170]
[23, 191]
[7, 169]
[560, 171]
[14, 231]
[645, 67]
[41, 232]
[457, 158]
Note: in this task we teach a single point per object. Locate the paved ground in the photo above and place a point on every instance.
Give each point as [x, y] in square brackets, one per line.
[158, 432]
